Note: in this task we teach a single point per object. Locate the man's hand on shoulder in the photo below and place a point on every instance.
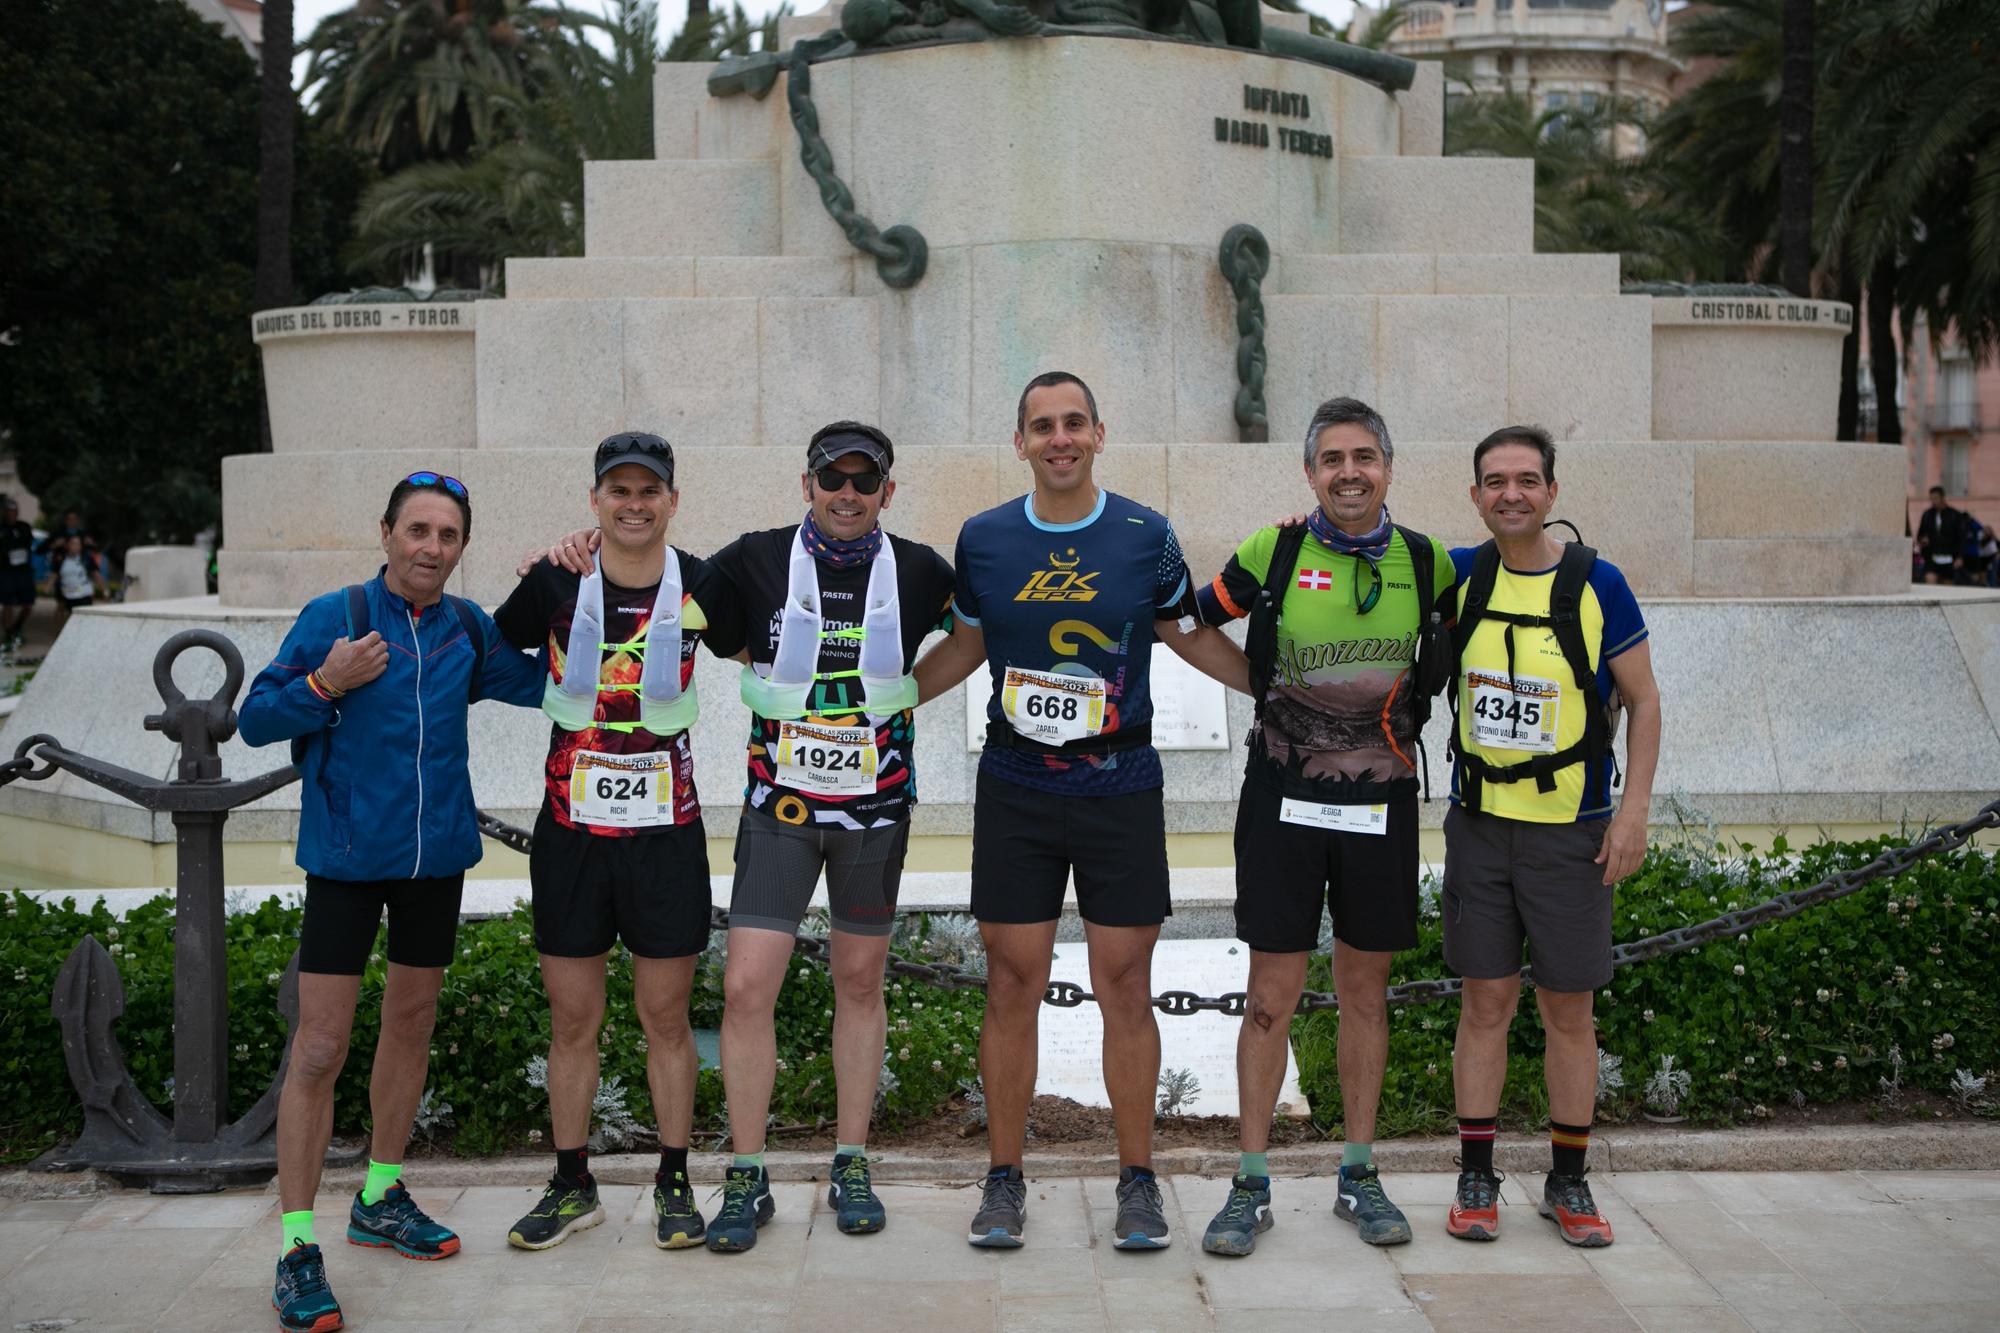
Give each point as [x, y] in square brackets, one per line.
[349, 666]
[574, 552]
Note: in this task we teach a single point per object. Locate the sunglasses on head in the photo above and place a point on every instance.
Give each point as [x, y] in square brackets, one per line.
[831, 479]
[451, 485]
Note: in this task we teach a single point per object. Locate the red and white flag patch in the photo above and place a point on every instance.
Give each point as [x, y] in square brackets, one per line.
[1316, 580]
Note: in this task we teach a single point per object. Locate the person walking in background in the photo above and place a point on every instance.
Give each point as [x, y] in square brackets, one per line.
[73, 578]
[1941, 540]
[17, 575]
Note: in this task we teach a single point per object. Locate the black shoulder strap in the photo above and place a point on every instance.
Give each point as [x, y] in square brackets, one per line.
[1478, 592]
[357, 611]
[1423, 562]
[1260, 640]
[475, 636]
[1566, 612]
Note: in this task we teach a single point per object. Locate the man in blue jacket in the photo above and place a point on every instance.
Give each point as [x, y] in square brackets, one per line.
[372, 687]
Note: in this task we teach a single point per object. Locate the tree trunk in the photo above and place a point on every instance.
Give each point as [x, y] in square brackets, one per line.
[697, 10]
[277, 114]
[1885, 361]
[1850, 361]
[1795, 149]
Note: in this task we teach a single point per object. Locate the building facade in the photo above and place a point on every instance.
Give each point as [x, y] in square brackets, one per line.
[1556, 53]
[1951, 426]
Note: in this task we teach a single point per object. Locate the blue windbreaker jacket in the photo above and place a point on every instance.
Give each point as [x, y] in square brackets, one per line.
[384, 792]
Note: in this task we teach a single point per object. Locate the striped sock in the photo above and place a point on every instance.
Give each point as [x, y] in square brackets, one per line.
[1475, 1142]
[1569, 1145]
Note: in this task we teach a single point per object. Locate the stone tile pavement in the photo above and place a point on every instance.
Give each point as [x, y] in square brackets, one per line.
[1696, 1251]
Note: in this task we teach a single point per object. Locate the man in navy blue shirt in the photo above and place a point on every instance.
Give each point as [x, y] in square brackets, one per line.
[1060, 594]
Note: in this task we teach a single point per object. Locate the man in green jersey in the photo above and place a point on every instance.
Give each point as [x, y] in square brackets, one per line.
[1339, 607]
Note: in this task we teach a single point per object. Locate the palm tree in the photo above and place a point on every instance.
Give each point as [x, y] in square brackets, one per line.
[524, 195]
[1587, 198]
[1795, 147]
[277, 114]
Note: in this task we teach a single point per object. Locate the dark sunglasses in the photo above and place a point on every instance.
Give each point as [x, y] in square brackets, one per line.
[1363, 605]
[451, 485]
[831, 479]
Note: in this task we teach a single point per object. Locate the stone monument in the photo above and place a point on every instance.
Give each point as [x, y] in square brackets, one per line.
[1215, 234]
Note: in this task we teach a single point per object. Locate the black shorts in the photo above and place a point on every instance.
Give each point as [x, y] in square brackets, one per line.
[778, 866]
[74, 602]
[17, 587]
[1025, 843]
[650, 890]
[1509, 881]
[343, 915]
[1287, 874]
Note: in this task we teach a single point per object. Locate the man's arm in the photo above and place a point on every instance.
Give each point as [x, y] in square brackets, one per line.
[1625, 840]
[294, 696]
[962, 652]
[1212, 653]
[511, 675]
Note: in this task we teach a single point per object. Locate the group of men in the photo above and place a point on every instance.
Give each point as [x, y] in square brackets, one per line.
[1355, 623]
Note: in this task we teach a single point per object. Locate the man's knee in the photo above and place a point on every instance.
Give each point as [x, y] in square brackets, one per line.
[858, 983]
[575, 1024]
[1485, 1009]
[1568, 1014]
[318, 1056]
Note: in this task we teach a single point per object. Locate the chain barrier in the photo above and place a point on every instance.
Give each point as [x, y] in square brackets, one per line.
[1245, 259]
[21, 767]
[1180, 1003]
[901, 253]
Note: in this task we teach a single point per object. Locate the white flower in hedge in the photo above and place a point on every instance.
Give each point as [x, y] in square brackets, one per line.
[1840, 1062]
[1749, 1060]
[903, 1053]
[1944, 1041]
[1738, 969]
[1894, 907]
[1817, 1067]
[1823, 995]
[1781, 1061]
[938, 1065]
[452, 1049]
[1647, 1015]
[274, 977]
[20, 974]
[117, 949]
[534, 1136]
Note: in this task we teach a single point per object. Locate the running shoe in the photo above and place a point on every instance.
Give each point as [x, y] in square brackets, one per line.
[1362, 1202]
[396, 1222]
[746, 1205]
[565, 1207]
[1475, 1208]
[304, 1302]
[852, 1197]
[1246, 1216]
[1142, 1218]
[1003, 1210]
[1566, 1201]
[677, 1222]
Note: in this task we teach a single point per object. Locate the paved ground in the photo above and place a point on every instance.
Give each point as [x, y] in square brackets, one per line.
[1713, 1251]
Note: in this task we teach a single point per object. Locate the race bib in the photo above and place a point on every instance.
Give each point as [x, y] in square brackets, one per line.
[1523, 718]
[835, 761]
[17, 556]
[1940, 559]
[622, 790]
[1052, 708]
[1339, 818]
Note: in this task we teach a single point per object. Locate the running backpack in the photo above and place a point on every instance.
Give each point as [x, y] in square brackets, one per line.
[1435, 660]
[1565, 620]
[358, 625]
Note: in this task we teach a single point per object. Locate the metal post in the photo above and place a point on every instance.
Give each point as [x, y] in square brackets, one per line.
[201, 979]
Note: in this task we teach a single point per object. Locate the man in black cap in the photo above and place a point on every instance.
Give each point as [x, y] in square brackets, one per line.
[619, 851]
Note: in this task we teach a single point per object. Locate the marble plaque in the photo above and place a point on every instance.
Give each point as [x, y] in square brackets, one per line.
[1072, 1040]
[1190, 711]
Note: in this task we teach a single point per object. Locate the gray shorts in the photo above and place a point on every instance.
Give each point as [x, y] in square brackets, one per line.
[1507, 881]
[778, 866]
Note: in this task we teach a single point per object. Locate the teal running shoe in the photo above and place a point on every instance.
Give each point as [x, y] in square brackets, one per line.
[746, 1205]
[304, 1302]
[1246, 1216]
[565, 1207]
[397, 1223]
[1363, 1203]
[852, 1197]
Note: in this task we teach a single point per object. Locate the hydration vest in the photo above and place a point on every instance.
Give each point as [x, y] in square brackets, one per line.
[664, 706]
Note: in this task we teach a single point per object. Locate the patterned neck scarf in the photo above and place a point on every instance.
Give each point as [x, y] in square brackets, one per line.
[1370, 546]
[837, 554]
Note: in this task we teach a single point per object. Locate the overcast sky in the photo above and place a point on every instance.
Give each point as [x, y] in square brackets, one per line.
[306, 15]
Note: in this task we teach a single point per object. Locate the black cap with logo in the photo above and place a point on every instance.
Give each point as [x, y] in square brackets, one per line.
[850, 437]
[632, 446]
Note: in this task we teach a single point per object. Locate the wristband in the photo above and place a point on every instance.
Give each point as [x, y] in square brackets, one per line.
[317, 684]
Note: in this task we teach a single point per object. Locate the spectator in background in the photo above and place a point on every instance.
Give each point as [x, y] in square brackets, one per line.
[17, 574]
[71, 526]
[1941, 540]
[74, 577]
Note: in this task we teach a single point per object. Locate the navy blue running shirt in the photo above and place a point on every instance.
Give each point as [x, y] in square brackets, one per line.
[1079, 600]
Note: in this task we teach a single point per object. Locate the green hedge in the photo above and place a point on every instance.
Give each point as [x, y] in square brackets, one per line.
[1804, 1011]
[1883, 984]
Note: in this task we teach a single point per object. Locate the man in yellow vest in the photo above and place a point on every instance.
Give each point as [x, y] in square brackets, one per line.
[1550, 644]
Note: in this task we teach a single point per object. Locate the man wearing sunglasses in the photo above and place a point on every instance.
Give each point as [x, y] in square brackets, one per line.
[1327, 819]
[372, 686]
[1061, 594]
[831, 612]
[620, 852]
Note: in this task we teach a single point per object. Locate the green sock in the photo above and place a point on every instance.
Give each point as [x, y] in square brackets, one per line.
[1357, 1154]
[296, 1229]
[381, 1175]
[850, 1150]
[755, 1159]
[1253, 1164]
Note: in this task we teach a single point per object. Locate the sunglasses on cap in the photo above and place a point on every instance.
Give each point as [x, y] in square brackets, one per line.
[450, 485]
[831, 479]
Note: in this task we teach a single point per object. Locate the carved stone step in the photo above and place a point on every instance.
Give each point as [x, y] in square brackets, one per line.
[680, 208]
[680, 276]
